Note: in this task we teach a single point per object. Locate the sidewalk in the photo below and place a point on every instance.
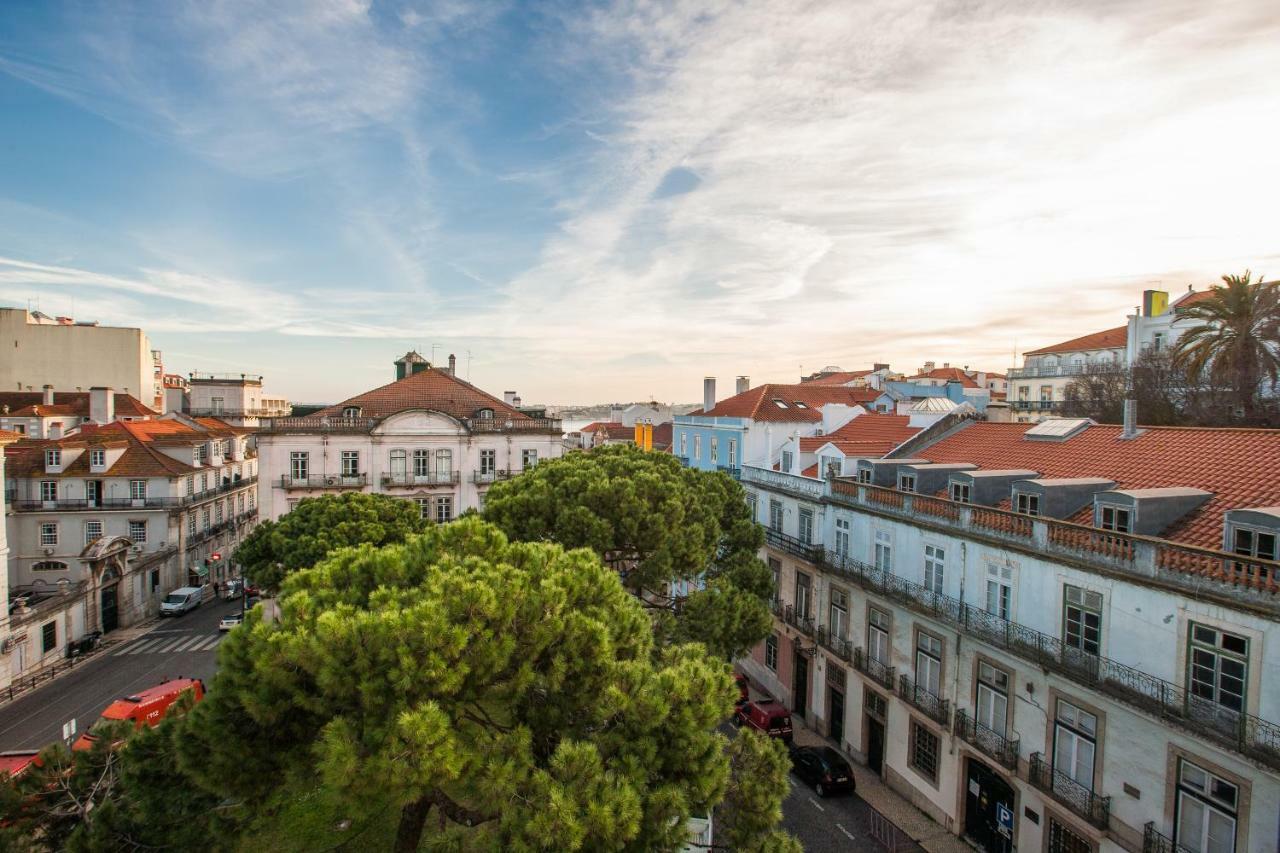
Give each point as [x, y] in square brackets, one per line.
[915, 823]
[33, 679]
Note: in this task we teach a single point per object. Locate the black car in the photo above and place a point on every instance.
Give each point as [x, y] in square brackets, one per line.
[823, 768]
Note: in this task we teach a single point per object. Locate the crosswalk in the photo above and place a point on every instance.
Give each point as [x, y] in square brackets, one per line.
[169, 644]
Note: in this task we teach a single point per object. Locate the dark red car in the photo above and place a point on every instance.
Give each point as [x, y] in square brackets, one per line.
[744, 690]
[766, 715]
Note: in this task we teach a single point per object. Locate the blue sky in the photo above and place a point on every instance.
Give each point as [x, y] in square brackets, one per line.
[610, 200]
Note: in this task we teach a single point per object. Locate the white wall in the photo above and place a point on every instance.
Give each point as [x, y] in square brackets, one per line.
[71, 357]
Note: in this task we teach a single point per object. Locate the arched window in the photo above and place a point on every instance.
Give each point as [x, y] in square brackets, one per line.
[485, 414]
[49, 566]
[351, 412]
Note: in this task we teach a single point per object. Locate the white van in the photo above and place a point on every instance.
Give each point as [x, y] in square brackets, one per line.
[181, 601]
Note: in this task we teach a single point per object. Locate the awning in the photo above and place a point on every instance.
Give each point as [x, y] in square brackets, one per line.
[200, 571]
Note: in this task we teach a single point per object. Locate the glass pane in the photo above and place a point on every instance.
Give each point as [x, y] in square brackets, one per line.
[1191, 823]
[1222, 833]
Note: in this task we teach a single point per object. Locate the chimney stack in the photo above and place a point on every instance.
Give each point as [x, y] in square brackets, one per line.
[453, 364]
[509, 397]
[102, 405]
[708, 393]
[1130, 418]
[47, 400]
[744, 384]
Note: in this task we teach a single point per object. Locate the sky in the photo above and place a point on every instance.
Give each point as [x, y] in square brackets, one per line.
[608, 201]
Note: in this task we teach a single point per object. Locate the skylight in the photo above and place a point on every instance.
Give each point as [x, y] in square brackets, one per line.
[798, 404]
[1057, 429]
[781, 404]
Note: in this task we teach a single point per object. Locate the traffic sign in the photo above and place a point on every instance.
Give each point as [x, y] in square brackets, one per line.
[1004, 817]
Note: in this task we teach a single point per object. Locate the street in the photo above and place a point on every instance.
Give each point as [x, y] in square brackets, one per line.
[181, 646]
[839, 822]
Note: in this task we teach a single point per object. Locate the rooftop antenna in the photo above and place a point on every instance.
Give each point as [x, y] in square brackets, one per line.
[433, 353]
[468, 365]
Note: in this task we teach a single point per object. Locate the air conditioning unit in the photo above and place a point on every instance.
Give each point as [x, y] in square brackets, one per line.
[136, 549]
[330, 481]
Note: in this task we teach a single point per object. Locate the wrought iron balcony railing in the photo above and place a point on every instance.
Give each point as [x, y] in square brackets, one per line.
[880, 673]
[1249, 735]
[1002, 748]
[1070, 793]
[800, 621]
[835, 644]
[433, 478]
[333, 481]
[494, 476]
[1154, 841]
[113, 503]
[792, 545]
[934, 706]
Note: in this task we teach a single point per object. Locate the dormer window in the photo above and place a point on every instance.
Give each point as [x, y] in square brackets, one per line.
[351, 411]
[1114, 518]
[864, 475]
[781, 404]
[1026, 504]
[487, 415]
[98, 458]
[1253, 542]
[960, 492]
[52, 458]
[906, 482]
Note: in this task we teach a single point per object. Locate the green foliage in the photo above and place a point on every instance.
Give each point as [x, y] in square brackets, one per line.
[318, 526]
[752, 808]
[656, 522]
[498, 695]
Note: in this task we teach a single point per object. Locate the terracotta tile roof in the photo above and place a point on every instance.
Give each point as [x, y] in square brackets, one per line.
[866, 435]
[8, 435]
[758, 403]
[139, 439]
[598, 425]
[947, 374]
[1109, 339]
[662, 435]
[838, 378]
[434, 389]
[1241, 467]
[72, 403]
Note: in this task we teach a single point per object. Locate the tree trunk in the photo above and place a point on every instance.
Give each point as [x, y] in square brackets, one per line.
[413, 817]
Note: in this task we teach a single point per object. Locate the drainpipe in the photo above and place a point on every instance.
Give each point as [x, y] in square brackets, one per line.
[955, 668]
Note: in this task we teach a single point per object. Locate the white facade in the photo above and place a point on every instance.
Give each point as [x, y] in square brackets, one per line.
[238, 399]
[1038, 388]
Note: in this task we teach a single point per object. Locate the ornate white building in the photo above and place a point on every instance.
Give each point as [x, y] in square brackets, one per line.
[428, 437]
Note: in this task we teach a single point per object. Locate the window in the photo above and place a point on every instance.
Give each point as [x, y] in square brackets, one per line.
[1063, 839]
[253, 496]
[191, 485]
[52, 458]
[697, 447]
[775, 568]
[806, 526]
[878, 635]
[715, 449]
[444, 463]
[883, 552]
[49, 566]
[138, 490]
[488, 462]
[906, 482]
[1046, 393]
[98, 458]
[201, 453]
[802, 595]
[752, 505]
[1026, 504]
[960, 492]
[842, 537]
[1219, 666]
[421, 463]
[48, 637]
[1253, 543]
[155, 579]
[1157, 341]
[92, 531]
[925, 748]
[839, 613]
[399, 465]
[864, 475]
[993, 697]
[733, 451]
[351, 463]
[775, 514]
[351, 411]
[528, 457]
[684, 443]
[771, 652]
[49, 533]
[1082, 619]
[191, 524]
[1024, 392]
[240, 503]
[934, 568]
[1207, 810]
[292, 502]
[217, 512]
[444, 509]
[137, 531]
[204, 483]
[999, 590]
[424, 507]
[204, 517]
[786, 461]
[299, 465]
[484, 414]
[48, 490]
[829, 467]
[1075, 737]
[215, 403]
[929, 663]
[1113, 518]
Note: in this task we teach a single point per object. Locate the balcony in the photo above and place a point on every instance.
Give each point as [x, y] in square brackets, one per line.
[1069, 792]
[1035, 405]
[732, 470]
[992, 743]
[110, 503]
[435, 478]
[878, 672]
[551, 425]
[806, 488]
[260, 412]
[1056, 370]
[934, 707]
[1154, 841]
[333, 481]
[1246, 734]
[801, 622]
[314, 424]
[480, 478]
[792, 545]
[835, 644]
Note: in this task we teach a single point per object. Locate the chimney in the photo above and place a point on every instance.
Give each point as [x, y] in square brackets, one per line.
[1130, 417]
[515, 401]
[946, 364]
[928, 367]
[453, 364]
[744, 384]
[509, 397]
[102, 405]
[708, 393]
[48, 396]
[615, 414]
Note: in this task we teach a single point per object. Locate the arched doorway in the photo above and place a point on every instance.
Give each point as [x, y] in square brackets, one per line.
[987, 795]
[107, 559]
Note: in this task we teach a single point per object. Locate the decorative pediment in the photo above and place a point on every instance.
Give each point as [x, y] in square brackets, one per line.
[419, 422]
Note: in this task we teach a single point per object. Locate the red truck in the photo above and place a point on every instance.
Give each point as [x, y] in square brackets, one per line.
[147, 707]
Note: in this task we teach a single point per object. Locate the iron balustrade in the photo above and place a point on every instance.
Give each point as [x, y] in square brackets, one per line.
[732, 470]
[834, 643]
[934, 706]
[1247, 734]
[792, 545]
[482, 477]
[127, 503]
[1154, 841]
[1057, 370]
[314, 423]
[804, 487]
[333, 481]
[239, 413]
[880, 673]
[1036, 405]
[513, 424]
[436, 478]
[800, 621]
[1003, 748]
[1081, 800]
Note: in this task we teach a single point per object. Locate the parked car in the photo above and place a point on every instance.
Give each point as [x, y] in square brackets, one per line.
[766, 715]
[230, 621]
[181, 600]
[823, 768]
[145, 708]
[744, 690]
[15, 762]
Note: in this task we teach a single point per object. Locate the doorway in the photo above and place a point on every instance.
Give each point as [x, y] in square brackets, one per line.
[835, 701]
[93, 492]
[875, 745]
[110, 614]
[985, 793]
[800, 684]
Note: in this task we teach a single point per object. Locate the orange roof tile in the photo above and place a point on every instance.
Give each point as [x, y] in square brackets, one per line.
[434, 389]
[837, 378]
[1241, 467]
[868, 435]
[947, 374]
[759, 403]
[73, 403]
[1109, 339]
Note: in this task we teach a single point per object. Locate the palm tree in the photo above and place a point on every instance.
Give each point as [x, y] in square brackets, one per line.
[1236, 339]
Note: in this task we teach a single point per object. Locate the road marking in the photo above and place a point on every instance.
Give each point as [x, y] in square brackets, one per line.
[198, 638]
[846, 832]
[814, 803]
[208, 645]
[146, 647]
[168, 646]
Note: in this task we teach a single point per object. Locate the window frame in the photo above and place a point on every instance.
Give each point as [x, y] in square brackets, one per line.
[1026, 503]
[771, 652]
[1114, 523]
[88, 524]
[142, 529]
[350, 464]
[48, 534]
[935, 568]
[1079, 638]
[932, 648]
[992, 685]
[960, 492]
[924, 751]
[49, 637]
[1220, 654]
[879, 635]
[299, 467]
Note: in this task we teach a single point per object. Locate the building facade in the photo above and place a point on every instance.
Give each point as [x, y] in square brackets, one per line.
[1054, 638]
[1038, 389]
[52, 414]
[428, 437]
[237, 398]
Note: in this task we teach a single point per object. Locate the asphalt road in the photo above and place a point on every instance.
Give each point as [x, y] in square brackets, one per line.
[182, 646]
[840, 822]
